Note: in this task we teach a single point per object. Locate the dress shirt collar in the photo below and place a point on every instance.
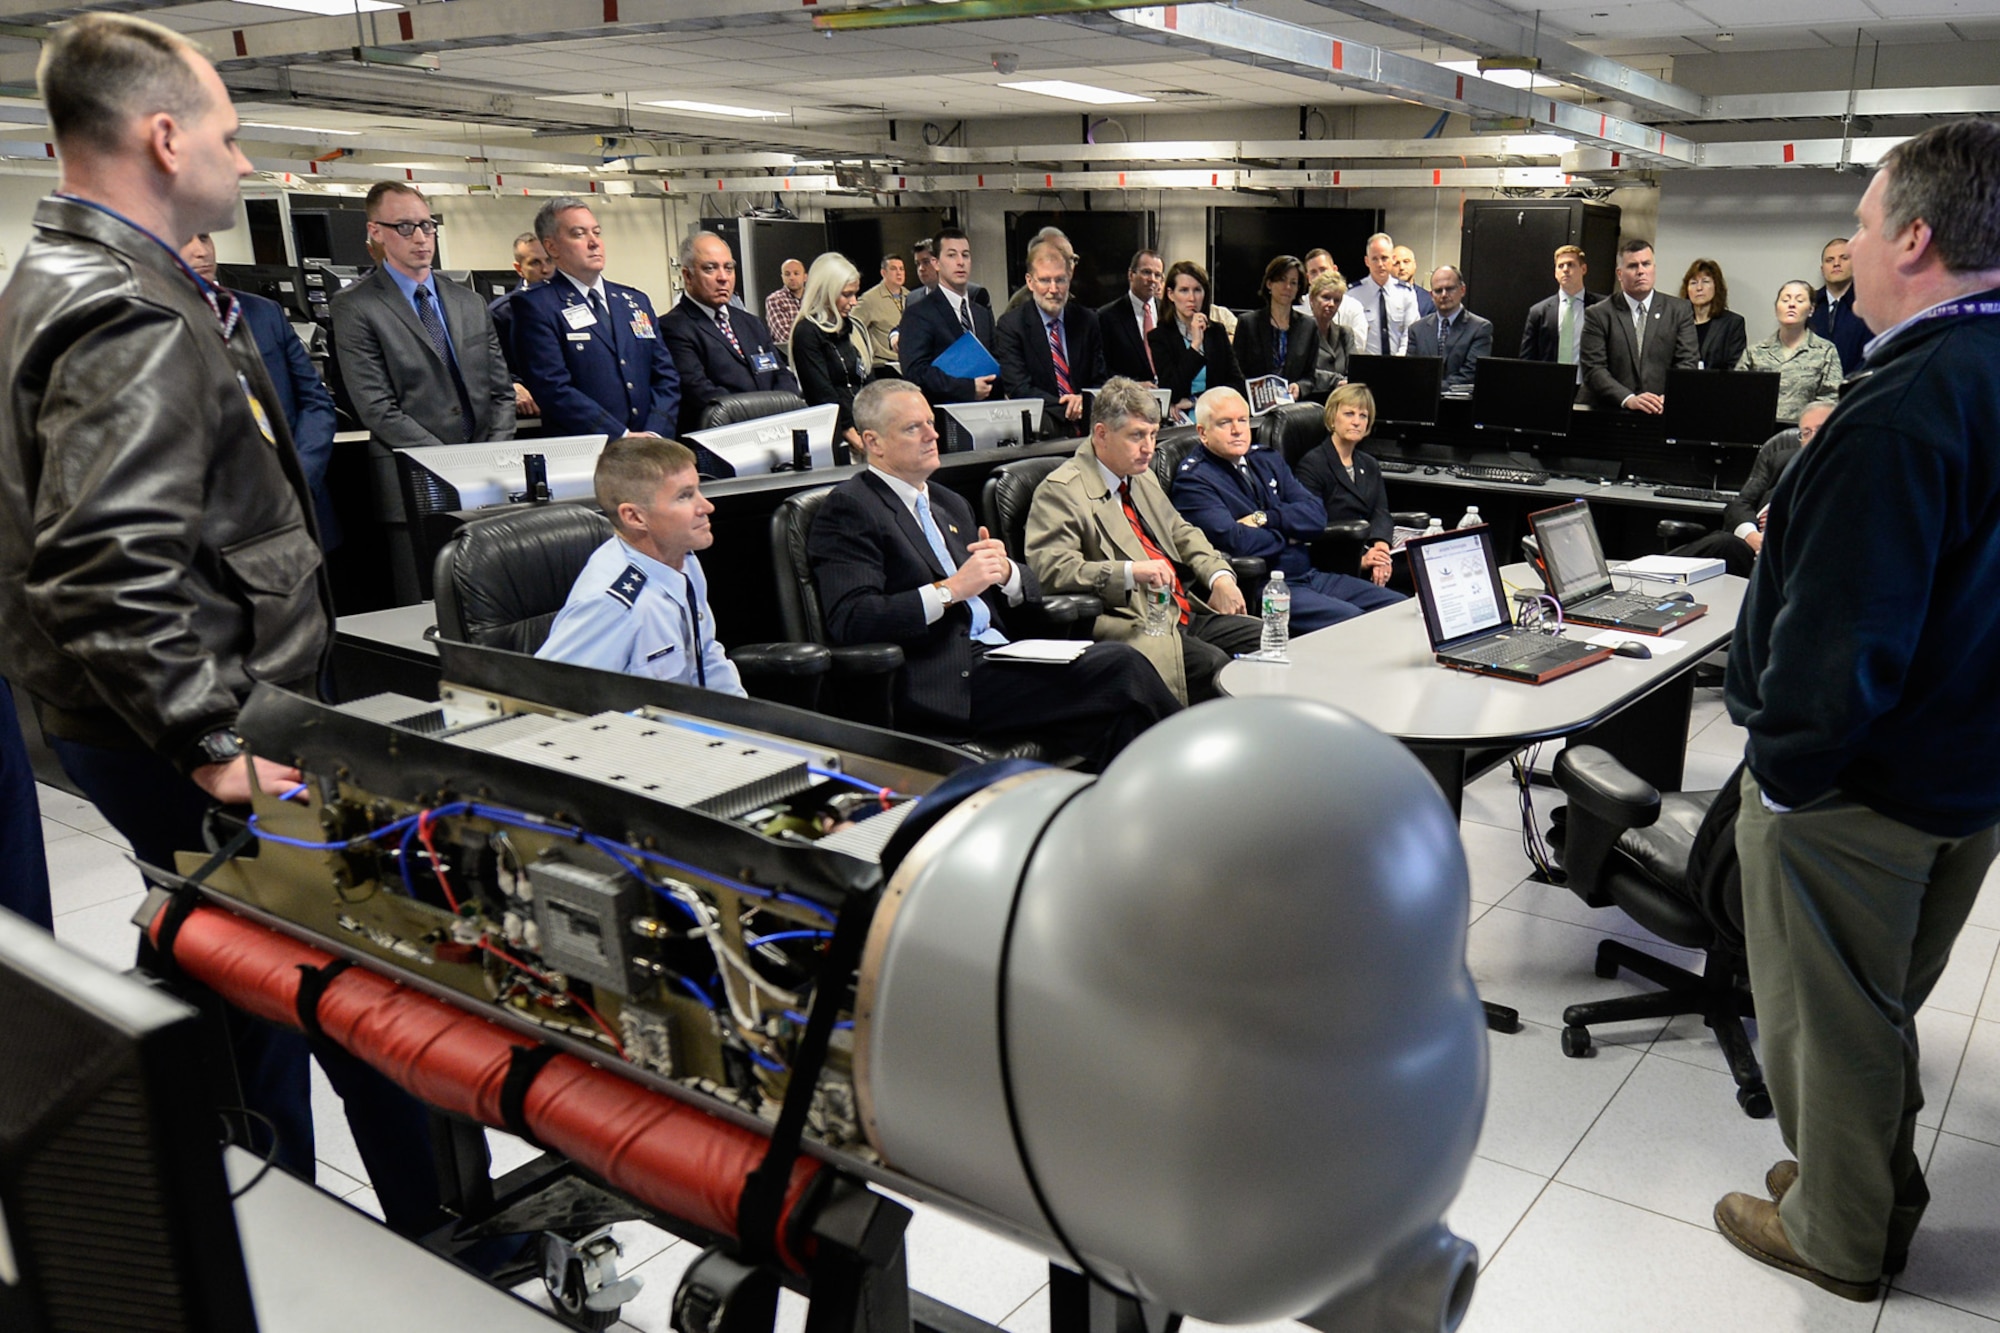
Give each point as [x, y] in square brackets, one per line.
[673, 582]
[1139, 307]
[958, 301]
[408, 285]
[1112, 481]
[1633, 307]
[1446, 323]
[904, 491]
[585, 291]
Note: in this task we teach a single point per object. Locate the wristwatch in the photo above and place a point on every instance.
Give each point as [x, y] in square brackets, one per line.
[220, 746]
[944, 591]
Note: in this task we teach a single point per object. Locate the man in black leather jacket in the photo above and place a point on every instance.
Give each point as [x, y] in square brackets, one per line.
[157, 550]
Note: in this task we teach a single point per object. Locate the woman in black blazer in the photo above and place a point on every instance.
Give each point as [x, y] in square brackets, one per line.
[1349, 482]
[829, 359]
[1191, 353]
[1719, 332]
[1277, 339]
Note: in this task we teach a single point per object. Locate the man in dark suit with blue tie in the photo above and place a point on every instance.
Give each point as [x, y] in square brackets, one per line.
[1034, 334]
[719, 349]
[900, 561]
[1452, 332]
[590, 350]
[932, 325]
[302, 395]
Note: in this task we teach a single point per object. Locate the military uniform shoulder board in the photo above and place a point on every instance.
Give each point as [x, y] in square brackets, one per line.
[628, 586]
[1193, 460]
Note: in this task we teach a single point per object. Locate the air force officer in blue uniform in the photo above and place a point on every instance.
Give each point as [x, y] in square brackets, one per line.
[589, 350]
[641, 604]
[1250, 504]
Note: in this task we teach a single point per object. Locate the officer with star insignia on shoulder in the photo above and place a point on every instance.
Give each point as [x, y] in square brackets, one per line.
[640, 605]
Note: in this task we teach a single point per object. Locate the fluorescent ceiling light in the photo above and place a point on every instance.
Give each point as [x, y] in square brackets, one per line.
[1509, 78]
[297, 129]
[1075, 92]
[718, 109]
[329, 8]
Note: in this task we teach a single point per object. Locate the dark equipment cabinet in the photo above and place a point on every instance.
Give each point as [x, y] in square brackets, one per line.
[1508, 250]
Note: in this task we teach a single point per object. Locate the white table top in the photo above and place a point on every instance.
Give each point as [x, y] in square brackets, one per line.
[398, 627]
[1379, 667]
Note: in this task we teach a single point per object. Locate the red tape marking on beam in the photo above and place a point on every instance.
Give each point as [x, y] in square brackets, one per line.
[242, 47]
[406, 25]
[1339, 54]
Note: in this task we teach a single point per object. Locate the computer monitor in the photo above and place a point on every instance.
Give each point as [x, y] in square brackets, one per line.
[1406, 388]
[1525, 397]
[476, 476]
[494, 282]
[273, 282]
[1164, 397]
[991, 424]
[1720, 406]
[761, 445]
[114, 1210]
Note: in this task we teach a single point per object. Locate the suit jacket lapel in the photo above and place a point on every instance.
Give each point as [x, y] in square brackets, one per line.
[1110, 514]
[906, 523]
[392, 295]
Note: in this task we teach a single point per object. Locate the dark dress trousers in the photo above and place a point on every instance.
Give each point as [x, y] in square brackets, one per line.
[928, 329]
[1615, 367]
[594, 378]
[1213, 495]
[1471, 338]
[829, 368]
[1366, 497]
[1256, 349]
[1179, 363]
[401, 389]
[710, 369]
[1721, 341]
[302, 394]
[870, 558]
[1124, 345]
[1028, 367]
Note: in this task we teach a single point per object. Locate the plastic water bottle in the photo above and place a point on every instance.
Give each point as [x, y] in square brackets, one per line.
[1437, 526]
[1277, 614]
[1471, 518]
[1159, 618]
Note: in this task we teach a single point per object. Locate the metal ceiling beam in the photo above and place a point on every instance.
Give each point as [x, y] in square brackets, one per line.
[1252, 39]
[1486, 34]
[40, 12]
[960, 11]
[1875, 103]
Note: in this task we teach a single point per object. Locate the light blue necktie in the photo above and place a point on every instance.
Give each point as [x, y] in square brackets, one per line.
[982, 617]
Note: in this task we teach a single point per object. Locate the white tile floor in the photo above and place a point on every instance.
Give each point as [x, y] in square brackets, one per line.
[1589, 1198]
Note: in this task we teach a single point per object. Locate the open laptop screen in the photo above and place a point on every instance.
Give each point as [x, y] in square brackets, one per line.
[1571, 552]
[1458, 585]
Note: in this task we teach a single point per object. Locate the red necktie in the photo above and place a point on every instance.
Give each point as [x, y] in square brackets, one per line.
[1151, 547]
[722, 321]
[1063, 388]
[1146, 327]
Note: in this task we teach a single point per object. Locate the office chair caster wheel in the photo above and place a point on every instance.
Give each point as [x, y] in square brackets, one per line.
[1576, 1042]
[1755, 1101]
[582, 1279]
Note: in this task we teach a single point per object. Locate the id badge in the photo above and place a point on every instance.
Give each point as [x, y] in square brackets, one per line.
[764, 363]
[257, 412]
[578, 316]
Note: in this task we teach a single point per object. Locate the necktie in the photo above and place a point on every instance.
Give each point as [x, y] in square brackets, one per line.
[964, 304]
[433, 322]
[722, 322]
[1151, 547]
[982, 616]
[1145, 328]
[1249, 482]
[1566, 335]
[597, 309]
[1057, 355]
[1382, 321]
[1639, 329]
[692, 623]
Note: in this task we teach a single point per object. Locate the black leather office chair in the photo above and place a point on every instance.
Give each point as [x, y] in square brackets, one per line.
[1003, 507]
[501, 580]
[1669, 862]
[1293, 429]
[861, 684]
[1172, 449]
[738, 407]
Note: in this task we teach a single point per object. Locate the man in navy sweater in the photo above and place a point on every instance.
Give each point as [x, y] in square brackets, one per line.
[1866, 670]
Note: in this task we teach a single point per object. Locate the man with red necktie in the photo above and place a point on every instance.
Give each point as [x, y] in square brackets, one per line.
[1050, 348]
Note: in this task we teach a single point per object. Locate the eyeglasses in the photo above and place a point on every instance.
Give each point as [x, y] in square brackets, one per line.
[1442, 288]
[429, 227]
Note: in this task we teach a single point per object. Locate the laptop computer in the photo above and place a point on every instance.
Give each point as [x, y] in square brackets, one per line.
[1467, 615]
[1572, 565]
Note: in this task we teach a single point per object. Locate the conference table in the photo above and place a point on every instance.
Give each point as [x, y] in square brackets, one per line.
[1380, 668]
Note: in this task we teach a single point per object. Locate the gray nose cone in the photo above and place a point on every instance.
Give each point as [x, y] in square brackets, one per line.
[1245, 1055]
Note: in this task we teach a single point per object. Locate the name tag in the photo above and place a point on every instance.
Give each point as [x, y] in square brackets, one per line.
[577, 337]
[763, 362]
[578, 316]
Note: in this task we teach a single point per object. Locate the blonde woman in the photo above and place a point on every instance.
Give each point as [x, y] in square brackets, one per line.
[828, 352]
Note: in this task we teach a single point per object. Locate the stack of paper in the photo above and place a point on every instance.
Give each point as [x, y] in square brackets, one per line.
[1057, 651]
[1670, 568]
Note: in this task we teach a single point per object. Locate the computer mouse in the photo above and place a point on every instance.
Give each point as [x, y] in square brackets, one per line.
[1430, 472]
[1681, 597]
[1632, 649]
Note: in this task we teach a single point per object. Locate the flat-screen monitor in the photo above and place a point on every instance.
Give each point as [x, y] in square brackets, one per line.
[1406, 388]
[764, 444]
[1720, 406]
[114, 1210]
[494, 282]
[273, 282]
[1527, 397]
[476, 476]
[991, 424]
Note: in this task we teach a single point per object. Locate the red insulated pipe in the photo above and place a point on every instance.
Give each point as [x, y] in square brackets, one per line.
[665, 1153]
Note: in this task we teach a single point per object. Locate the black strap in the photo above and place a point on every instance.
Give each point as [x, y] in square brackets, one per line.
[762, 1203]
[523, 1066]
[313, 982]
[185, 899]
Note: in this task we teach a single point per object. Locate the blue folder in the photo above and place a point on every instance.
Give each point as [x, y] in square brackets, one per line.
[966, 359]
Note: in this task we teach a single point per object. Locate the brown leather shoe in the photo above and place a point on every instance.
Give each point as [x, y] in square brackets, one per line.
[1783, 1175]
[1751, 1224]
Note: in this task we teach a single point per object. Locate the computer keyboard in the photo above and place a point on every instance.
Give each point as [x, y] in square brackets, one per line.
[1396, 465]
[1693, 493]
[1515, 475]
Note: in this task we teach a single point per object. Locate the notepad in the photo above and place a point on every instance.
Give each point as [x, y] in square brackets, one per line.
[1057, 651]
